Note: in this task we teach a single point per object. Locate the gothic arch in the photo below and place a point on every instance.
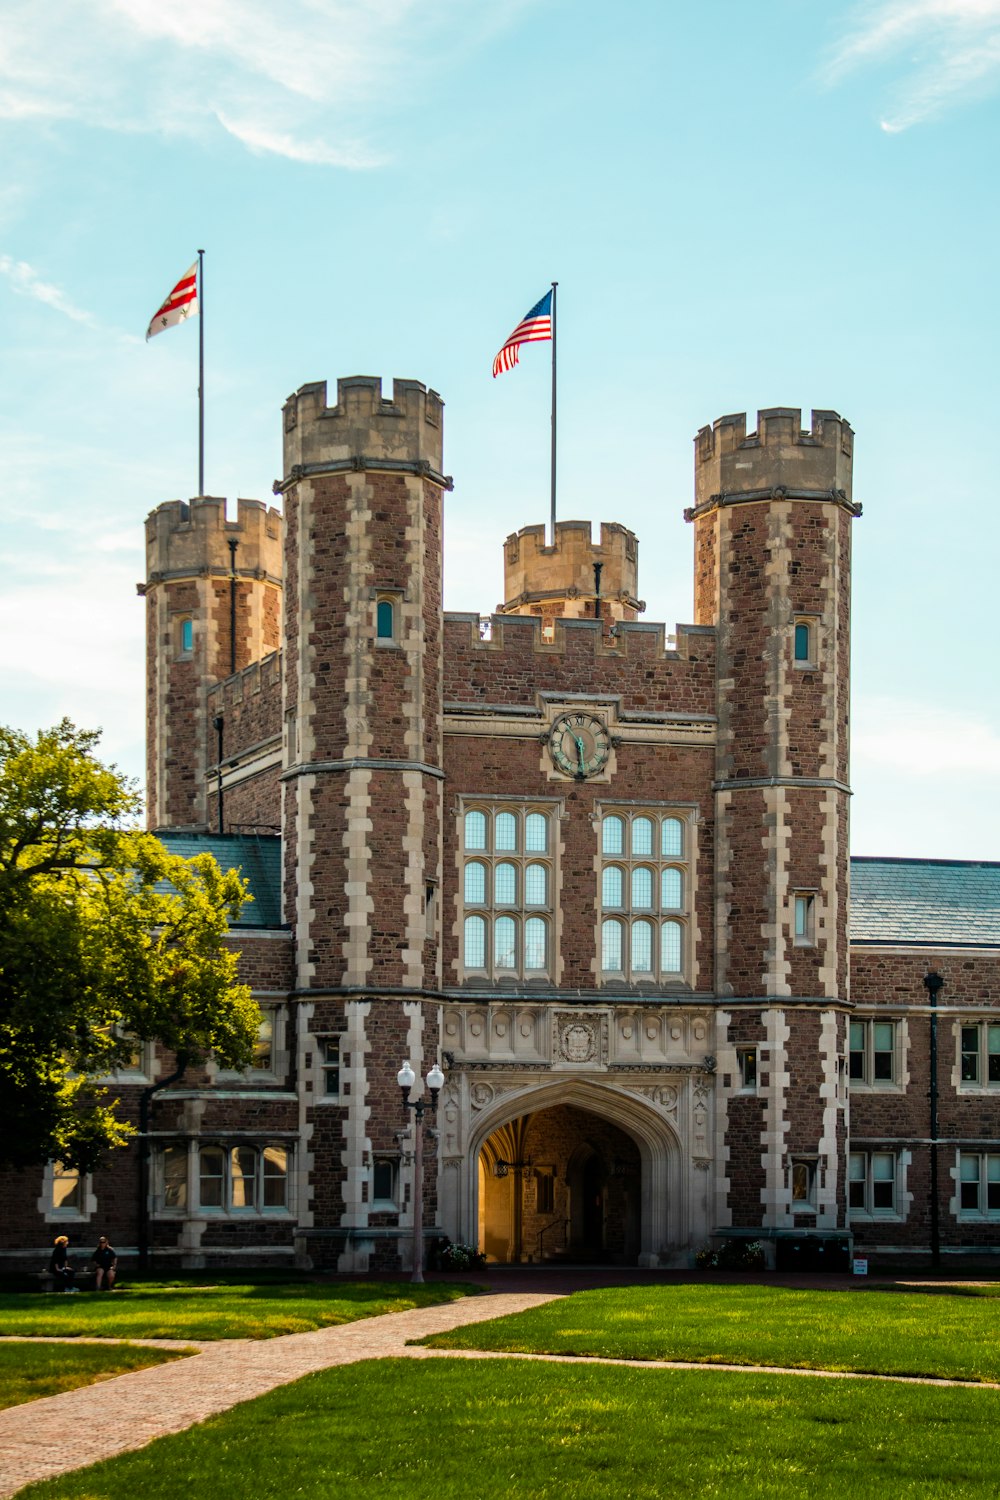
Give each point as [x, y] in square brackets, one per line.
[664, 1193]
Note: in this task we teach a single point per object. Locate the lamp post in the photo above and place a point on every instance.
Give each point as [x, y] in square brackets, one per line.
[406, 1078]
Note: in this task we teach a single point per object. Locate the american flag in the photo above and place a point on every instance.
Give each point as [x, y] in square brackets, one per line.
[534, 328]
[180, 304]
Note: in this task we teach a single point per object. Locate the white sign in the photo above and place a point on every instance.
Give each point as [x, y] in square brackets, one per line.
[860, 1266]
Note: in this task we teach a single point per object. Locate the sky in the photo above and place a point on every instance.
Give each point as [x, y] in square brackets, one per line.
[790, 203]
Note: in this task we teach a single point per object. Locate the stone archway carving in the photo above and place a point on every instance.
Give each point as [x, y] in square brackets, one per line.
[664, 1191]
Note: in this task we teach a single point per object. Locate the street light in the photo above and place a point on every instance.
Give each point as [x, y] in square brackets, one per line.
[406, 1078]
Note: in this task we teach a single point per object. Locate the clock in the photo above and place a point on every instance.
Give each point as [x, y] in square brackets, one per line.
[579, 744]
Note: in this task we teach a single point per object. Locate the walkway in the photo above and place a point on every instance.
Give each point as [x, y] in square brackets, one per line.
[47, 1437]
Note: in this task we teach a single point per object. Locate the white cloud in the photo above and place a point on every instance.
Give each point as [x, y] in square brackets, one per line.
[949, 51]
[25, 280]
[291, 79]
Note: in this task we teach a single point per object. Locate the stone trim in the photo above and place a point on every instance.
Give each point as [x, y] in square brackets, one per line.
[360, 763]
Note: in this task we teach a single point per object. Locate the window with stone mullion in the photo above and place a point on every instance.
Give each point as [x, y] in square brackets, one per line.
[643, 883]
[507, 878]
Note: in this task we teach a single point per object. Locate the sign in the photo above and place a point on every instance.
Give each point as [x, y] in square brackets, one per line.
[860, 1266]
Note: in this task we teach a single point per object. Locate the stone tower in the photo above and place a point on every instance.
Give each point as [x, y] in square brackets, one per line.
[363, 749]
[574, 579]
[772, 525]
[213, 605]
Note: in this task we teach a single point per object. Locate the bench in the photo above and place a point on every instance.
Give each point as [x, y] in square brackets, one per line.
[84, 1281]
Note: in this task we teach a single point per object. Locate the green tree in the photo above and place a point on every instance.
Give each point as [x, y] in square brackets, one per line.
[106, 939]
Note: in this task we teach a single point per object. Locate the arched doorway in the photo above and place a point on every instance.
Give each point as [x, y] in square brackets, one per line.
[560, 1184]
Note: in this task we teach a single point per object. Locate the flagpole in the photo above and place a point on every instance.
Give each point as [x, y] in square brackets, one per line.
[553, 484]
[201, 372]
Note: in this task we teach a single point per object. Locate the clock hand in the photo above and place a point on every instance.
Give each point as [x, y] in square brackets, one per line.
[580, 750]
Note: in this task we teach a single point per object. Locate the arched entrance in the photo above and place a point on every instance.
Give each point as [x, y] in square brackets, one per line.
[583, 1176]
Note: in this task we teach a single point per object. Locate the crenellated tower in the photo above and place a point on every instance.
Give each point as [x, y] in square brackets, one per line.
[213, 606]
[772, 523]
[363, 780]
[573, 579]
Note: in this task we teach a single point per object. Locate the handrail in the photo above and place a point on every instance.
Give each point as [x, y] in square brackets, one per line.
[540, 1241]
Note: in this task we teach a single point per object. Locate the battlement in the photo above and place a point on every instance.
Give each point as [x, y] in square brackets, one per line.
[779, 455]
[364, 427]
[192, 537]
[567, 578]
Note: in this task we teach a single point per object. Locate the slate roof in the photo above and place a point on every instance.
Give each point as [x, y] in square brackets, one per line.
[256, 855]
[919, 903]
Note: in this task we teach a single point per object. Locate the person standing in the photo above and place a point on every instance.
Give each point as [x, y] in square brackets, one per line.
[61, 1268]
[106, 1261]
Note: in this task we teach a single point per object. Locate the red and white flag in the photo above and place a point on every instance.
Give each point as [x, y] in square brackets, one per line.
[181, 303]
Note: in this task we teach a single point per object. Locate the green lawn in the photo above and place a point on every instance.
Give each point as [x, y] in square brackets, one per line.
[452, 1430]
[154, 1310]
[28, 1371]
[889, 1332]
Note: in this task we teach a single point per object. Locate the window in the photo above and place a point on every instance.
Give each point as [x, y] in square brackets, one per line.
[978, 1185]
[508, 878]
[385, 620]
[385, 1171]
[545, 1192]
[805, 921]
[175, 1165]
[186, 635]
[747, 1060]
[644, 896]
[873, 1053]
[980, 1048]
[263, 1047]
[329, 1052]
[234, 1180]
[803, 1183]
[871, 1184]
[67, 1190]
[803, 643]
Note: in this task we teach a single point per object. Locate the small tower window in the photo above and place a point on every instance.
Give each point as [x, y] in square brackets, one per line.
[803, 643]
[805, 921]
[385, 620]
[187, 637]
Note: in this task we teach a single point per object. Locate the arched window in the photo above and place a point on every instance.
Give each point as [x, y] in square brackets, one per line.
[671, 838]
[475, 943]
[385, 620]
[475, 883]
[613, 835]
[642, 837]
[505, 832]
[613, 887]
[611, 947]
[505, 884]
[670, 948]
[535, 932]
[671, 888]
[536, 829]
[642, 888]
[803, 641]
[642, 948]
[475, 830]
[504, 943]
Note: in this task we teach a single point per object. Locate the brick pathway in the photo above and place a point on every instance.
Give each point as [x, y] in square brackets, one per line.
[49, 1436]
[57, 1433]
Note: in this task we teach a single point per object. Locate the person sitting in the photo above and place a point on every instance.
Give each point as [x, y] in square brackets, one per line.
[61, 1268]
[106, 1261]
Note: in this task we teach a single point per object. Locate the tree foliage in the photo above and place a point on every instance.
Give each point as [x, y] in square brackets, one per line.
[106, 941]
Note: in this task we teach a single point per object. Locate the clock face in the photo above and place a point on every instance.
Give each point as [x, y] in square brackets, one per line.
[579, 745]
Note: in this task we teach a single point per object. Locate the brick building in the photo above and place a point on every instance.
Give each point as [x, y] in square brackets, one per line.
[600, 873]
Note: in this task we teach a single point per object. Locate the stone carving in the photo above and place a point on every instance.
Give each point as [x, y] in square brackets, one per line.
[580, 1038]
[482, 1094]
[663, 1094]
